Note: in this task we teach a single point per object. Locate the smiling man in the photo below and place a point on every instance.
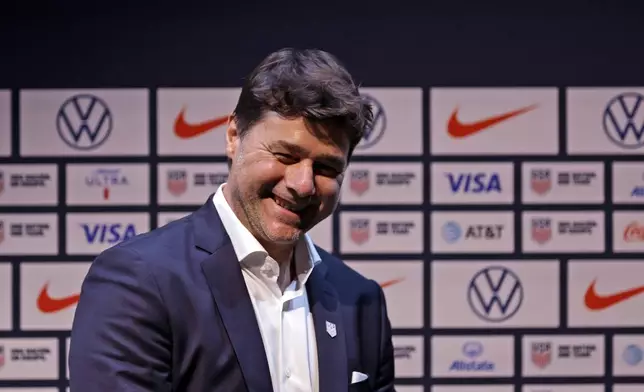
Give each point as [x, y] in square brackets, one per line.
[236, 297]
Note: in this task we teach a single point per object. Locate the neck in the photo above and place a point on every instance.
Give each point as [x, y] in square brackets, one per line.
[287, 272]
[283, 254]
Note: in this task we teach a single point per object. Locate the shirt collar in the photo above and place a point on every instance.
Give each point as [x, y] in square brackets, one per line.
[245, 244]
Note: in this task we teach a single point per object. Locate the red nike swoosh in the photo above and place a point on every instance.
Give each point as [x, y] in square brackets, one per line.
[47, 304]
[392, 282]
[185, 130]
[595, 301]
[459, 130]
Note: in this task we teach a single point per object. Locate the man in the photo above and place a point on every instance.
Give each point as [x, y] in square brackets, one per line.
[236, 297]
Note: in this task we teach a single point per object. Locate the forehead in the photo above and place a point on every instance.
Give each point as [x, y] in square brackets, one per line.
[299, 132]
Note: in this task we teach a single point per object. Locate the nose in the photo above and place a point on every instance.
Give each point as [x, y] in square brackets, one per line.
[299, 178]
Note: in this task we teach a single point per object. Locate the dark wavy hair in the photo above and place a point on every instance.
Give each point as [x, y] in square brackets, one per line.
[308, 83]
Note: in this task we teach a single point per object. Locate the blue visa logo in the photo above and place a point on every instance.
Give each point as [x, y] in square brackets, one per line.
[108, 233]
[638, 191]
[474, 182]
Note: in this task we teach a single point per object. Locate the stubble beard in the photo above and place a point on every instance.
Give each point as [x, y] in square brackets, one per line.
[250, 206]
[262, 225]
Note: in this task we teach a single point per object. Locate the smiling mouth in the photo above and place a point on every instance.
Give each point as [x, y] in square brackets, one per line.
[296, 208]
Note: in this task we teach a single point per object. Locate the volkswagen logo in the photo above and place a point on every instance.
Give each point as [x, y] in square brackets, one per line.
[374, 133]
[84, 122]
[495, 294]
[623, 120]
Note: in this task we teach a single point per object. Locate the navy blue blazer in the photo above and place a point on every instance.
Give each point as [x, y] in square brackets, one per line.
[168, 310]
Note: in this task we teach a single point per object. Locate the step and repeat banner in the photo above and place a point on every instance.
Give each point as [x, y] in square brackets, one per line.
[505, 225]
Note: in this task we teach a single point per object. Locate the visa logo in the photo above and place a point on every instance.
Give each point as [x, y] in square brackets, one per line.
[638, 191]
[110, 233]
[474, 182]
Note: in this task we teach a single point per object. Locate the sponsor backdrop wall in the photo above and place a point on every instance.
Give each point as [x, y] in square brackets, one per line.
[497, 199]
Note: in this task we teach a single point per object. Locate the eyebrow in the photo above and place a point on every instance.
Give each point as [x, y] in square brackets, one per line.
[326, 158]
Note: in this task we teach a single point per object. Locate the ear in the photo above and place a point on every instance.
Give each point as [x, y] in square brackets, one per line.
[232, 138]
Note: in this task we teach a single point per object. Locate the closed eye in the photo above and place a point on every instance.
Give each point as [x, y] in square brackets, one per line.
[285, 158]
[327, 171]
[320, 168]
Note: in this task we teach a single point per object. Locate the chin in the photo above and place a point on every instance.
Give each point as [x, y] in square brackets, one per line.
[283, 233]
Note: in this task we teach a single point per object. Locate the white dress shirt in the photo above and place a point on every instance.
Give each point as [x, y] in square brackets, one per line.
[283, 313]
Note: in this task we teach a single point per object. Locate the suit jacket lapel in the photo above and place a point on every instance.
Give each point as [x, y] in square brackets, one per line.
[224, 277]
[329, 331]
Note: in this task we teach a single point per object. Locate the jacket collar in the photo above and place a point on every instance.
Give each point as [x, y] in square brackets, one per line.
[225, 280]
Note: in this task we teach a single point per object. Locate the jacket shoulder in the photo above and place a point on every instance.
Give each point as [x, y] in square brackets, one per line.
[157, 245]
[345, 278]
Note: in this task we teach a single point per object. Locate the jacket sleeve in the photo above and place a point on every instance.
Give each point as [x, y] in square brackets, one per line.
[386, 368]
[120, 338]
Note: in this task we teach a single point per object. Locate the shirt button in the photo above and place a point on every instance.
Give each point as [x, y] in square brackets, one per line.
[288, 373]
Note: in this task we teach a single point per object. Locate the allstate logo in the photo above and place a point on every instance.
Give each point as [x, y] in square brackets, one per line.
[472, 349]
[451, 232]
[623, 120]
[374, 133]
[84, 122]
[632, 355]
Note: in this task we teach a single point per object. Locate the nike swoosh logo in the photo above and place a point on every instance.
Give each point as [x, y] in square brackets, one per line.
[459, 130]
[47, 304]
[596, 301]
[392, 282]
[185, 130]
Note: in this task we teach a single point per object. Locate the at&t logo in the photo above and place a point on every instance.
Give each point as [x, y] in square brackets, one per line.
[84, 122]
[495, 294]
[624, 120]
[632, 354]
[451, 232]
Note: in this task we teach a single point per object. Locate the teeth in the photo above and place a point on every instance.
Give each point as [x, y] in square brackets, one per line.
[285, 205]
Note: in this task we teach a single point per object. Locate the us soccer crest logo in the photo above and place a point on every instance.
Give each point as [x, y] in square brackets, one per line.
[541, 354]
[177, 182]
[359, 183]
[540, 181]
[541, 230]
[359, 230]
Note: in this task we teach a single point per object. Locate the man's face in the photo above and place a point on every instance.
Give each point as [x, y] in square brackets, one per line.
[285, 176]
